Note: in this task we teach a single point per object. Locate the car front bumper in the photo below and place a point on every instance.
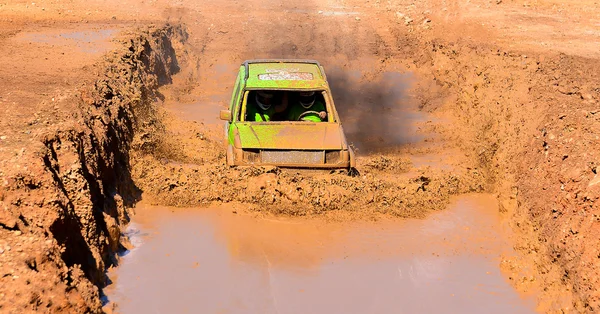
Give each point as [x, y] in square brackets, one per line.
[322, 159]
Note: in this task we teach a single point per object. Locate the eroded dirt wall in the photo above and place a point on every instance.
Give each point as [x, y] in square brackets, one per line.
[64, 204]
[530, 120]
[557, 182]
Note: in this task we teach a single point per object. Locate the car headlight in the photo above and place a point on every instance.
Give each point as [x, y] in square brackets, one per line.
[251, 156]
[333, 157]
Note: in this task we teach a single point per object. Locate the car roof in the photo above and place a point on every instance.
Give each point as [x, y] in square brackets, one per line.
[284, 74]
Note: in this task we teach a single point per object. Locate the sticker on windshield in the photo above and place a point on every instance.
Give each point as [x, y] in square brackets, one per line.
[286, 76]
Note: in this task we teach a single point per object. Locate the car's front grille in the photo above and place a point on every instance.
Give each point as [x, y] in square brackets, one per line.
[251, 156]
[291, 157]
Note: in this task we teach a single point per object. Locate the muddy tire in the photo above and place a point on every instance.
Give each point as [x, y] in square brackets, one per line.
[229, 156]
[352, 158]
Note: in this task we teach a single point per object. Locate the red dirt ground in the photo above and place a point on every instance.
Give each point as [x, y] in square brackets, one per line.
[511, 91]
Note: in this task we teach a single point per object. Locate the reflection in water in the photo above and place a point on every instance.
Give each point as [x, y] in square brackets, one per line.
[212, 261]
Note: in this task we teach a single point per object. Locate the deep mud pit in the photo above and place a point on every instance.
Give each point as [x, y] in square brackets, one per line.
[87, 41]
[215, 261]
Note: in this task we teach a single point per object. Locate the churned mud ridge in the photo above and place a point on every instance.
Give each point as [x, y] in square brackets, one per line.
[531, 123]
[189, 170]
[289, 193]
[62, 214]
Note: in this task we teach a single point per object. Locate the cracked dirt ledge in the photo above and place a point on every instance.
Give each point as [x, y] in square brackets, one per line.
[65, 200]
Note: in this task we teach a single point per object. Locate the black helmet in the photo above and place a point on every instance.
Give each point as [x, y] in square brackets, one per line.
[307, 99]
[264, 99]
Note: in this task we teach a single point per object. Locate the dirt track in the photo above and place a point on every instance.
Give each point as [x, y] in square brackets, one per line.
[508, 95]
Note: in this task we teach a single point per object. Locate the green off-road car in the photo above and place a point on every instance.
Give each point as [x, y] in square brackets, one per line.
[282, 114]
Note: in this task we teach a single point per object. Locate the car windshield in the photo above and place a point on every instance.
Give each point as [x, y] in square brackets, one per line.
[277, 105]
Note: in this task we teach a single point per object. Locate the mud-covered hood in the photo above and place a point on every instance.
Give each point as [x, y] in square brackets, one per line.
[304, 135]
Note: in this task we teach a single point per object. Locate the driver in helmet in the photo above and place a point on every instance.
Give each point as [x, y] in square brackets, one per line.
[308, 108]
[261, 109]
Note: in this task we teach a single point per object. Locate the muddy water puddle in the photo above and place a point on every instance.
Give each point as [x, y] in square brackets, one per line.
[90, 41]
[216, 261]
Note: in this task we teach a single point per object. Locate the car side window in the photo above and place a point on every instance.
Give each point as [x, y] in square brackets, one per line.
[244, 106]
[331, 112]
[235, 97]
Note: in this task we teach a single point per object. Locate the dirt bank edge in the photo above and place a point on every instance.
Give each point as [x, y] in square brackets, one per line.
[531, 120]
[63, 208]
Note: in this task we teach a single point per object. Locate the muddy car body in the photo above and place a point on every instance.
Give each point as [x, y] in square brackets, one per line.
[284, 143]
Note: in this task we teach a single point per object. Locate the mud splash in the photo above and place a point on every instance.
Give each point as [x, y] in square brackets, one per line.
[212, 260]
[377, 112]
[187, 167]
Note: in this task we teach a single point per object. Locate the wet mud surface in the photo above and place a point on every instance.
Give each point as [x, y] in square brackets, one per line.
[212, 260]
[440, 98]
